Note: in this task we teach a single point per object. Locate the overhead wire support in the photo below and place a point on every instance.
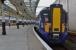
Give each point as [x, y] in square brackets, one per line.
[68, 6]
[68, 13]
[59, 1]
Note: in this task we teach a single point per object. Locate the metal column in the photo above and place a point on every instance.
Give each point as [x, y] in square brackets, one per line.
[3, 19]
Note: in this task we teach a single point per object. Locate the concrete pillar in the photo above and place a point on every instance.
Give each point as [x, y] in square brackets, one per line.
[3, 19]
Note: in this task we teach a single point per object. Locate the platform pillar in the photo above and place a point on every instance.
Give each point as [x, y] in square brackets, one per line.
[17, 25]
[3, 28]
[3, 20]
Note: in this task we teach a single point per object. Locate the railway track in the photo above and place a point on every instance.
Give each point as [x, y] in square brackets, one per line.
[59, 47]
[69, 45]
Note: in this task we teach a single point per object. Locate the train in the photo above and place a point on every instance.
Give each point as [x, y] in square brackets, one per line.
[53, 24]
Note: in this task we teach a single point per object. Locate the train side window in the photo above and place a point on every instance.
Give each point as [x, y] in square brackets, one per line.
[46, 19]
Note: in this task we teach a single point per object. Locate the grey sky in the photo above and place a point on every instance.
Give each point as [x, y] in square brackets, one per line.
[42, 4]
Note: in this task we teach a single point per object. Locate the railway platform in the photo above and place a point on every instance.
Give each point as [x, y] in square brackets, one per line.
[19, 39]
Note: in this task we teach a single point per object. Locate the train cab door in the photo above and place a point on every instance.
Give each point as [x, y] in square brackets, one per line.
[46, 26]
[46, 23]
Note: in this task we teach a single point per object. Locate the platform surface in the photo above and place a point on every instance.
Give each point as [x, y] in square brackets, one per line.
[20, 39]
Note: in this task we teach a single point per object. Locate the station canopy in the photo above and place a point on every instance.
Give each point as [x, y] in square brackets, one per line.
[26, 8]
[21, 8]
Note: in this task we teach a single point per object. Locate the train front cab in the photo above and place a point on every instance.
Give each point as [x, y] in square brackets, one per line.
[58, 31]
[54, 24]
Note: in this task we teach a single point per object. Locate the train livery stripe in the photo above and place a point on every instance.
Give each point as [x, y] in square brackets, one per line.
[56, 20]
[42, 41]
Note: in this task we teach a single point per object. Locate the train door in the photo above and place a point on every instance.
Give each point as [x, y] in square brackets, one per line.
[46, 23]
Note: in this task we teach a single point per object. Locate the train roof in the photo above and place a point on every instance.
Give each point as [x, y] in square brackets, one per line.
[46, 9]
